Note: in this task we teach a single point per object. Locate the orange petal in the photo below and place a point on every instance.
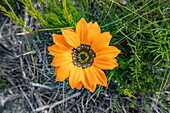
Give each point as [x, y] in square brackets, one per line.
[104, 62]
[75, 76]
[59, 40]
[109, 51]
[101, 41]
[93, 31]
[55, 49]
[89, 24]
[101, 77]
[61, 59]
[70, 29]
[85, 81]
[63, 72]
[71, 38]
[52, 49]
[89, 80]
[55, 72]
[79, 86]
[81, 29]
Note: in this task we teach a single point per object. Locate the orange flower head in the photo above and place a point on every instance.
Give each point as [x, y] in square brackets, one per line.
[80, 55]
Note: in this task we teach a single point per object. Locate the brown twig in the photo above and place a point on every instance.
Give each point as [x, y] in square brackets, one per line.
[56, 103]
[30, 104]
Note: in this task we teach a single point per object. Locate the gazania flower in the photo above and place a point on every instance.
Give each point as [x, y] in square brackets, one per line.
[80, 55]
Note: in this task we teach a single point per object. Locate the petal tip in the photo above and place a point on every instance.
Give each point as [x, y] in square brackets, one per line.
[82, 19]
[119, 51]
[57, 78]
[54, 34]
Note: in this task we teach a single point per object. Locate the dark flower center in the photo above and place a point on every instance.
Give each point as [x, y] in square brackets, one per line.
[83, 56]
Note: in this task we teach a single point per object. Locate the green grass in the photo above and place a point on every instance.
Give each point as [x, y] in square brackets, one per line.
[142, 33]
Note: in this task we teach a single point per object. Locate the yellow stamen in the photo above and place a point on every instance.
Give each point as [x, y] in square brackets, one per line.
[80, 59]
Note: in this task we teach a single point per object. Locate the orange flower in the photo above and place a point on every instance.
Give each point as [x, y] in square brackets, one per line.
[80, 55]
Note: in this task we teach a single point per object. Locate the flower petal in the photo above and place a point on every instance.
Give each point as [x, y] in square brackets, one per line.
[75, 76]
[56, 69]
[71, 38]
[79, 86]
[101, 77]
[93, 31]
[89, 80]
[55, 49]
[101, 41]
[109, 51]
[61, 59]
[59, 40]
[81, 29]
[63, 72]
[52, 49]
[104, 62]
[89, 24]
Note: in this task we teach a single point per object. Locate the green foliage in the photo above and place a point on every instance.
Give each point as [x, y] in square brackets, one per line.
[128, 93]
[3, 83]
[12, 3]
[53, 13]
[144, 61]
[11, 14]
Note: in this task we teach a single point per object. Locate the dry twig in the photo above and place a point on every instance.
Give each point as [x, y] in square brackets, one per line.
[56, 103]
